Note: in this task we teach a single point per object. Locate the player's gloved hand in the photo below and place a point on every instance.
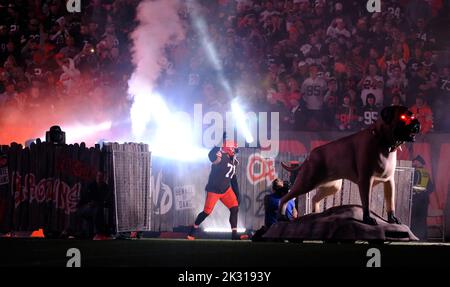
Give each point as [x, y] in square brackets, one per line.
[214, 153]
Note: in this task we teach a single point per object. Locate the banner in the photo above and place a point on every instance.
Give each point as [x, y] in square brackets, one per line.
[45, 183]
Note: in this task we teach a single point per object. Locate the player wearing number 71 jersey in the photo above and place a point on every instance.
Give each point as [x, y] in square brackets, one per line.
[222, 185]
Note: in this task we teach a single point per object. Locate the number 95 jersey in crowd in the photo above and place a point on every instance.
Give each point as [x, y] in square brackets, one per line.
[222, 173]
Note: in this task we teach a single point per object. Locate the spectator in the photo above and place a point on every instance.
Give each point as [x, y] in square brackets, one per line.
[369, 113]
[319, 17]
[422, 188]
[332, 88]
[286, 92]
[52, 12]
[338, 29]
[428, 62]
[10, 51]
[419, 83]
[275, 29]
[59, 33]
[357, 61]
[294, 91]
[372, 83]
[275, 104]
[87, 60]
[268, 12]
[94, 32]
[354, 99]
[397, 100]
[397, 83]
[423, 113]
[70, 76]
[420, 32]
[297, 117]
[393, 60]
[9, 94]
[313, 43]
[415, 62]
[361, 31]
[433, 88]
[313, 92]
[282, 94]
[350, 83]
[442, 101]
[347, 115]
[334, 52]
[304, 9]
[17, 100]
[70, 50]
[35, 99]
[301, 73]
[85, 36]
[110, 36]
[32, 32]
[330, 110]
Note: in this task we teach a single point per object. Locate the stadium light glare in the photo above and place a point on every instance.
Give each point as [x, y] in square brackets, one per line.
[174, 140]
[169, 134]
[81, 132]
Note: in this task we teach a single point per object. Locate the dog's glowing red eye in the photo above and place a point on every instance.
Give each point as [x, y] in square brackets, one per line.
[403, 117]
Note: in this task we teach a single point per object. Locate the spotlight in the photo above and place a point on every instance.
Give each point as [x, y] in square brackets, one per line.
[55, 136]
[241, 120]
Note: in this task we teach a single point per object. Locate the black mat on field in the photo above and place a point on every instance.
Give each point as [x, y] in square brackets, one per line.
[340, 223]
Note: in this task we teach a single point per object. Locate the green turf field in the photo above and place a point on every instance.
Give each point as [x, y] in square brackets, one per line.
[216, 253]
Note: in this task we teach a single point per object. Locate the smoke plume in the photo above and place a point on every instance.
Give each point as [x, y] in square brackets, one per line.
[159, 26]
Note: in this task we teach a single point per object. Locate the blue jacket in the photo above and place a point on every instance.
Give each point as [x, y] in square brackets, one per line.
[271, 203]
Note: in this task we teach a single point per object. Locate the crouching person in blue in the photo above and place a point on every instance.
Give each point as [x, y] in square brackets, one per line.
[271, 205]
[272, 202]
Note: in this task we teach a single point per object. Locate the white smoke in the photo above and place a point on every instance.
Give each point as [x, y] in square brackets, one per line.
[159, 26]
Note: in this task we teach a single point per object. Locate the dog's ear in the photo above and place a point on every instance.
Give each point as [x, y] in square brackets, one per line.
[387, 114]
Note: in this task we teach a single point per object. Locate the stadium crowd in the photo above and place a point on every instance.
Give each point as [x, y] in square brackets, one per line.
[322, 64]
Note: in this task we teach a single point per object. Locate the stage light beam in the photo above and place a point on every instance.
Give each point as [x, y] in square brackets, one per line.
[241, 120]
